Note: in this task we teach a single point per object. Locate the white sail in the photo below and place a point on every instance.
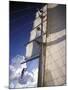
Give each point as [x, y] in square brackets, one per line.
[55, 50]
[33, 48]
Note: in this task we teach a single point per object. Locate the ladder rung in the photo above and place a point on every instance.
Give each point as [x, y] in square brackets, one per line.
[34, 39]
[30, 59]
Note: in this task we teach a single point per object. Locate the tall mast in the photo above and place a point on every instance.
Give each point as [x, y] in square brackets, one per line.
[41, 72]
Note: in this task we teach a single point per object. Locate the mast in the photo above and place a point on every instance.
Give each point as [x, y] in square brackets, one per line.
[41, 72]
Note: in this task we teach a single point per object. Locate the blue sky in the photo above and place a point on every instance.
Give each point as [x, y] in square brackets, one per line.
[22, 16]
[21, 19]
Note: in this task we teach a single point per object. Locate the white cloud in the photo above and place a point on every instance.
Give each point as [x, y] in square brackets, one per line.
[29, 78]
[35, 73]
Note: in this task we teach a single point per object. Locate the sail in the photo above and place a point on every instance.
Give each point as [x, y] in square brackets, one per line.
[33, 48]
[55, 70]
[54, 27]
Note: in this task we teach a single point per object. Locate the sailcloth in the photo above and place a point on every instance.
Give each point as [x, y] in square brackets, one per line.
[55, 64]
[33, 48]
[55, 70]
